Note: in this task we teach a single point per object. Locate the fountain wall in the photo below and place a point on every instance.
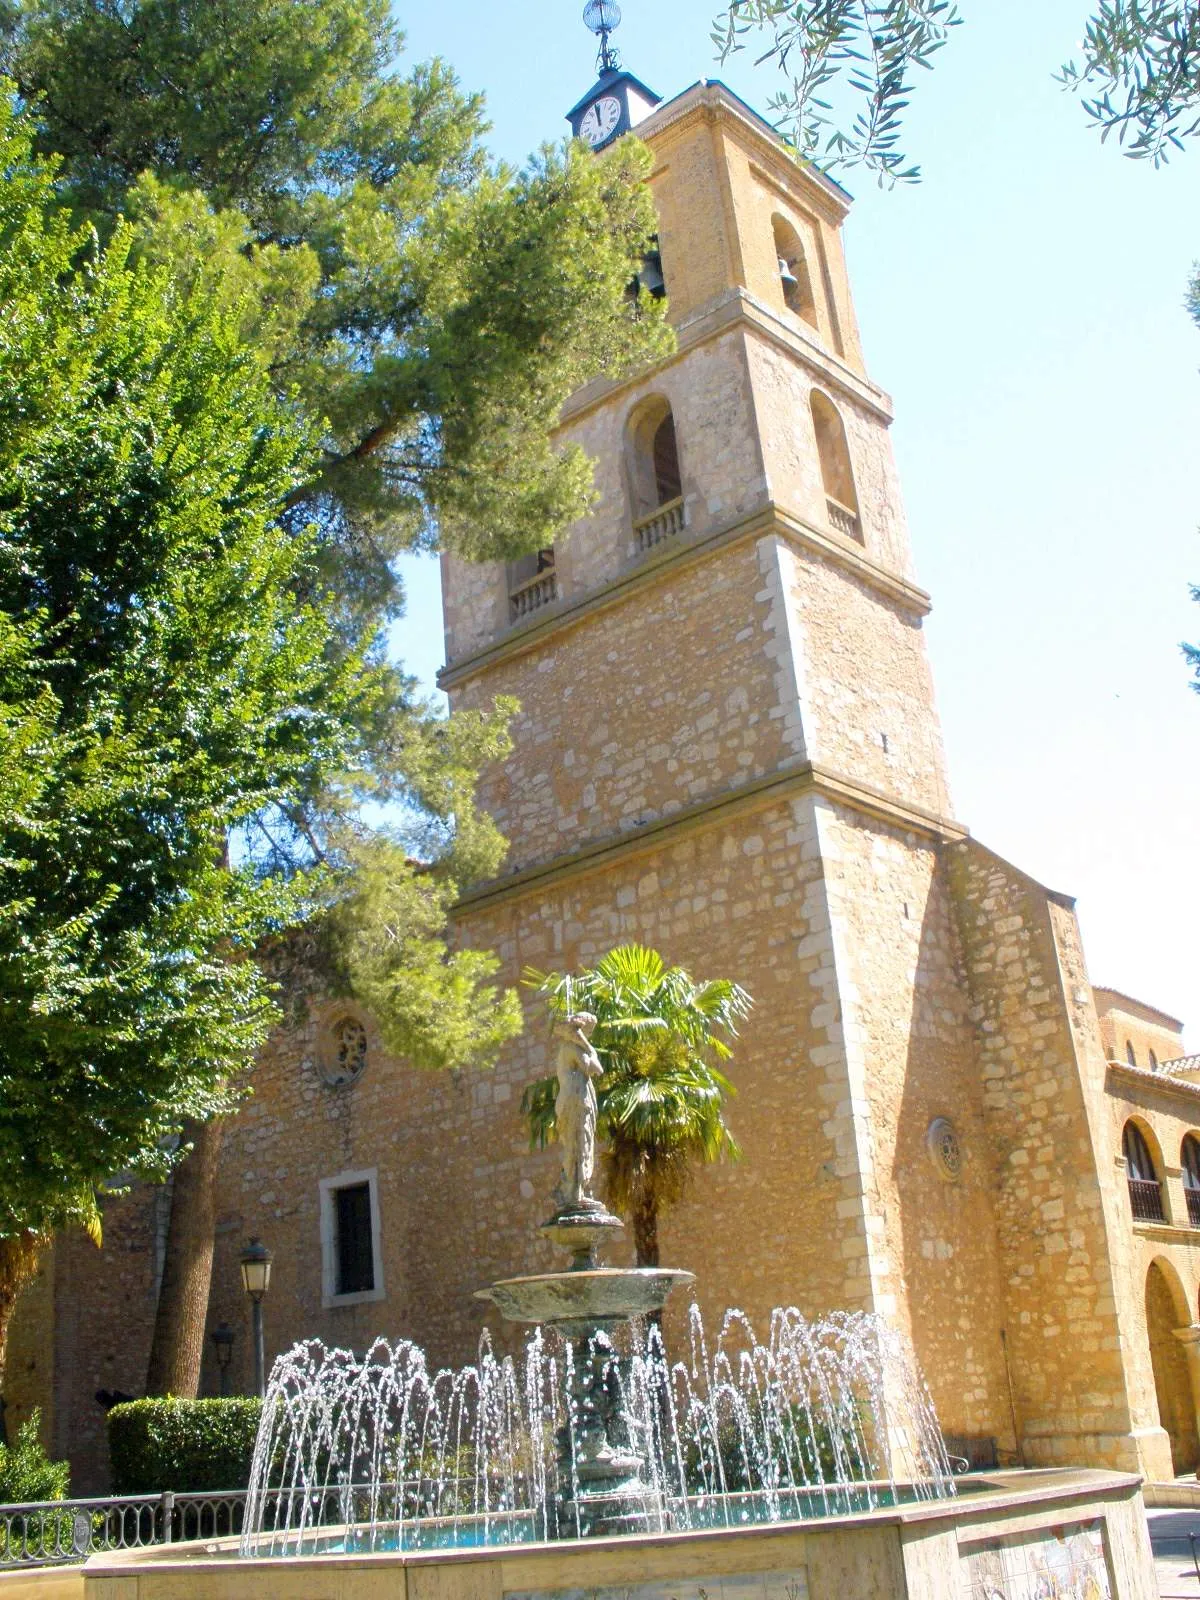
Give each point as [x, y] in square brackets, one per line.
[1086, 1529]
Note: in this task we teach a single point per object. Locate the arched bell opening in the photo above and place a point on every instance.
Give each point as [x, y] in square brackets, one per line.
[794, 277]
[837, 473]
[654, 471]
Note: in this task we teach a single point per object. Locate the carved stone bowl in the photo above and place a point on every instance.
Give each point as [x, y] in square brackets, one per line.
[600, 1297]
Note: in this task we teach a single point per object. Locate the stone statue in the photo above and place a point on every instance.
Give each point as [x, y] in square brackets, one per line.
[575, 1106]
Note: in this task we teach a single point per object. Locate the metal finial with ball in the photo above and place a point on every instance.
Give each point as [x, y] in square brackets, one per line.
[603, 17]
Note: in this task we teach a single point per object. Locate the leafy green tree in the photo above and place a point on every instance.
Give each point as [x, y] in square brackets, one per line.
[659, 1033]
[425, 309]
[1138, 77]
[161, 688]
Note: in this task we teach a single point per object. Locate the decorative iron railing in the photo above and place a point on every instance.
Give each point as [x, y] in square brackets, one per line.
[57, 1532]
[842, 519]
[47, 1532]
[664, 522]
[532, 595]
[1193, 1205]
[1145, 1198]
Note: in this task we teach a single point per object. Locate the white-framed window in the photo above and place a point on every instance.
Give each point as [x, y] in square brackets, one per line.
[351, 1258]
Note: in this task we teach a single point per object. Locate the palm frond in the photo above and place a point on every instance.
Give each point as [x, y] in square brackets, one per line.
[659, 1033]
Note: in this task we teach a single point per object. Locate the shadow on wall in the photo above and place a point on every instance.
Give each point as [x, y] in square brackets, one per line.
[941, 1168]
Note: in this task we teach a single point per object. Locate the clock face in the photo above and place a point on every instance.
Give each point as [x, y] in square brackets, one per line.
[600, 119]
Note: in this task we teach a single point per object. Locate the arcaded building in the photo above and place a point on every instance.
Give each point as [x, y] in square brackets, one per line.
[728, 748]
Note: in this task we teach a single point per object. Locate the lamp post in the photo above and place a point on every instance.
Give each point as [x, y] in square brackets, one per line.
[255, 1262]
[222, 1338]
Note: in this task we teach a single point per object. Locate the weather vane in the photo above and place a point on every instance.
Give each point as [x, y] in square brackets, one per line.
[602, 17]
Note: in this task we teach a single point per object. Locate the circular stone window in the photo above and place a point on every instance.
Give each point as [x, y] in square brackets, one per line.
[944, 1149]
[344, 1053]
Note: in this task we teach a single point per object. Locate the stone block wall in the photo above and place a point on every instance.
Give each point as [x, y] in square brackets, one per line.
[85, 1326]
[650, 707]
[914, 1054]
[864, 688]
[1042, 1117]
[708, 390]
[783, 378]
[29, 1367]
[745, 901]
[1126, 1023]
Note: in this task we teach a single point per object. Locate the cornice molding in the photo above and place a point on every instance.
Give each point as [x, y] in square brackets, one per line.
[711, 101]
[679, 555]
[756, 795]
[1168, 1232]
[1146, 1079]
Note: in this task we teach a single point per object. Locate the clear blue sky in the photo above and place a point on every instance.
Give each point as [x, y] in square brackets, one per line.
[1024, 306]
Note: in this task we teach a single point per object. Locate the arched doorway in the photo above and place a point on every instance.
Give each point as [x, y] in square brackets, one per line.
[1166, 1310]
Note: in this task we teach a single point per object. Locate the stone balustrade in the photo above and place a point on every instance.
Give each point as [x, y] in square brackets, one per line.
[664, 522]
[842, 519]
[532, 595]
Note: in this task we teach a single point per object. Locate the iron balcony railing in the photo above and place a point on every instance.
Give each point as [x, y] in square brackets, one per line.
[1145, 1197]
[664, 522]
[1193, 1205]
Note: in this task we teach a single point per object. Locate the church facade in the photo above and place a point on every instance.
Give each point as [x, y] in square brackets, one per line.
[728, 748]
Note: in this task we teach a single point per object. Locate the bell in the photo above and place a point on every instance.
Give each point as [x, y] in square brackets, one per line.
[651, 276]
[787, 276]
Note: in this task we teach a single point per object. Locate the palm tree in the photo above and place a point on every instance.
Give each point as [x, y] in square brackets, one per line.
[661, 1099]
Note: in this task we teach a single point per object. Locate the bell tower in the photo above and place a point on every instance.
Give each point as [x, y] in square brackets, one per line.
[728, 749]
[750, 523]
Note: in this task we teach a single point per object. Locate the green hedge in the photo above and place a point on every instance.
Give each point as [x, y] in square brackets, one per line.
[189, 1446]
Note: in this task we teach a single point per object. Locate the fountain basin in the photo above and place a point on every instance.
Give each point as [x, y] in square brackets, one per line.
[600, 1297]
[1005, 1533]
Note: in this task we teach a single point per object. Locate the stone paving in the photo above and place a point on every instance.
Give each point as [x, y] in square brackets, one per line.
[1173, 1564]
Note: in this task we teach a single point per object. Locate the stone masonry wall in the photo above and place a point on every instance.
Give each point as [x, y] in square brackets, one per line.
[866, 696]
[29, 1366]
[1166, 1111]
[1125, 1024]
[461, 1193]
[649, 707]
[907, 1024]
[783, 381]
[1060, 1286]
[85, 1326]
[744, 901]
[757, 190]
[708, 390]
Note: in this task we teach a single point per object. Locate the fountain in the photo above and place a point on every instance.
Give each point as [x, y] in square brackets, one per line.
[586, 1304]
[599, 1467]
[598, 1434]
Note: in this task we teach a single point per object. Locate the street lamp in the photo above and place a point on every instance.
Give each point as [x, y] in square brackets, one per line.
[222, 1337]
[255, 1262]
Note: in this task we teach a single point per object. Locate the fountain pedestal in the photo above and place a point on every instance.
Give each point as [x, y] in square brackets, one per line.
[602, 1473]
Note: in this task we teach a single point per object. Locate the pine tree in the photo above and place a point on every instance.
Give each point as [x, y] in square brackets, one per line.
[428, 312]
